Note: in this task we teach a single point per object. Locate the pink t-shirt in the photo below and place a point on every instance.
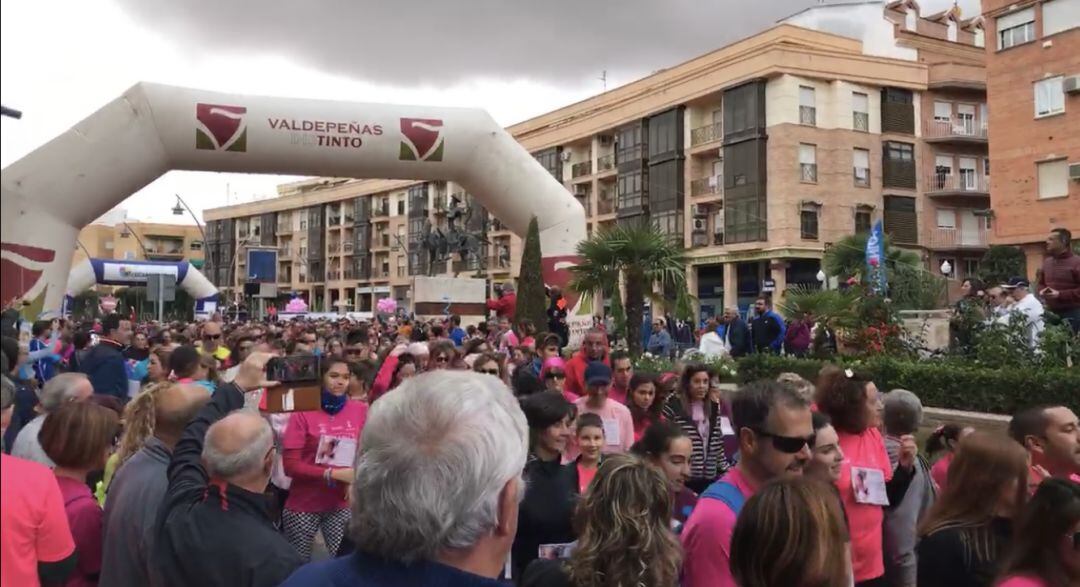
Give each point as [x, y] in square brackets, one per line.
[618, 394]
[865, 450]
[940, 471]
[618, 424]
[85, 518]
[33, 524]
[309, 491]
[1023, 581]
[706, 538]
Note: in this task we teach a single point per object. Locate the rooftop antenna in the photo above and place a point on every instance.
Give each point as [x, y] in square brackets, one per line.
[603, 78]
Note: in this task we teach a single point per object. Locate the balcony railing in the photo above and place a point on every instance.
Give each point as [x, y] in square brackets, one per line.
[284, 228]
[703, 186]
[808, 172]
[379, 211]
[347, 246]
[959, 238]
[581, 169]
[860, 121]
[969, 182]
[606, 206]
[808, 115]
[706, 134]
[605, 163]
[956, 129]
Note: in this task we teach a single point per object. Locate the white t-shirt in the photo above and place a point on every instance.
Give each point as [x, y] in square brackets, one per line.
[712, 345]
[1032, 309]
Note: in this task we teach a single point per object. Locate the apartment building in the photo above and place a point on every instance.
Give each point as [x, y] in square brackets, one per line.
[140, 241]
[1033, 78]
[758, 157]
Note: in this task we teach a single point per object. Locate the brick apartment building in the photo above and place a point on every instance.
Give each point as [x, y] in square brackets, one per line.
[1033, 82]
[757, 156]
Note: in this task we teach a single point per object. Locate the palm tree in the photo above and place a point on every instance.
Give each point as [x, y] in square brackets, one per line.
[847, 257]
[643, 257]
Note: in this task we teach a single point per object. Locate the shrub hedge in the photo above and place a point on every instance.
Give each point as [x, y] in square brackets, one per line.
[949, 384]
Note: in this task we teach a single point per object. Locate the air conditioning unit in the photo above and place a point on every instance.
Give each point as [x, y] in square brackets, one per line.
[1071, 84]
[698, 210]
[1074, 171]
[606, 140]
[700, 225]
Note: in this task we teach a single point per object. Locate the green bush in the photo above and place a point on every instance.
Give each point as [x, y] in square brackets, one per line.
[949, 384]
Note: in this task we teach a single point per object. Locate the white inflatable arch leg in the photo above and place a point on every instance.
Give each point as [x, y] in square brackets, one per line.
[90, 272]
[51, 193]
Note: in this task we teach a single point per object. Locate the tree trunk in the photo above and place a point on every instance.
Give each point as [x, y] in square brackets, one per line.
[635, 310]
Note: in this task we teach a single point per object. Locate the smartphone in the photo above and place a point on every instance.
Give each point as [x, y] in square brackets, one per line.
[294, 369]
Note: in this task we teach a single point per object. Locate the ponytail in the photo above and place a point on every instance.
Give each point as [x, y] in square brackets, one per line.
[940, 437]
[139, 417]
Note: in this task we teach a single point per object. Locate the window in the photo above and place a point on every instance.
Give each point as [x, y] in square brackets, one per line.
[968, 181]
[965, 118]
[808, 222]
[1016, 28]
[196, 245]
[1059, 15]
[951, 30]
[861, 165]
[807, 106]
[1053, 178]
[1049, 96]
[129, 255]
[400, 206]
[911, 19]
[971, 267]
[942, 111]
[986, 168]
[860, 112]
[899, 151]
[946, 218]
[864, 219]
[808, 163]
[980, 37]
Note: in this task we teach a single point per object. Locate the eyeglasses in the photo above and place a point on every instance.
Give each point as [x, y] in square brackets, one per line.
[494, 372]
[442, 359]
[554, 375]
[787, 444]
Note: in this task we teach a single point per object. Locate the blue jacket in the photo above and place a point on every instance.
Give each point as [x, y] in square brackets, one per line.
[767, 331]
[361, 570]
[660, 343]
[107, 369]
[44, 367]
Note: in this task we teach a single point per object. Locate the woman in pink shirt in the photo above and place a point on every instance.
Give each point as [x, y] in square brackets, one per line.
[616, 419]
[945, 438]
[867, 481]
[79, 438]
[320, 448]
[553, 376]
[1045, 549]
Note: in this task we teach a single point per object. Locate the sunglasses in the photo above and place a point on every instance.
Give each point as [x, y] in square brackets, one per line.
[787, 444]
[554, 375]
[442, 359]
[211, 336]
[494, 372]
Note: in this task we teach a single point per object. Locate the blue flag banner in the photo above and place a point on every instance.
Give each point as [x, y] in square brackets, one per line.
[875, 258]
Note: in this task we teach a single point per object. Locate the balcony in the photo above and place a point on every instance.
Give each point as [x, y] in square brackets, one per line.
[605, 163]
[956, 238]
[808, 115]
[284, 228]
[955, 76]
[440, 205]
[898, 173]
[380, 210]
[632, 153]
[706, 186]
[334, 248]
[955, 130]
[606, 205]
[333, 275]
[808, 172]
[581, 169]
[965, 183]
[583, 199]
[706, 134]
[347, 247]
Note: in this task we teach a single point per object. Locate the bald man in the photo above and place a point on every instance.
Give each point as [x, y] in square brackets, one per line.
[139, 485]
[213, 344]
[214, 528]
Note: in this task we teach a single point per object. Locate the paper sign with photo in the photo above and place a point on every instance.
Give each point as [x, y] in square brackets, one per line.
[335, 451]
[869, 486]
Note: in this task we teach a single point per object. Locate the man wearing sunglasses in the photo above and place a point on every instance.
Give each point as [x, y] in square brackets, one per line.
[211, 344]
[776, 435]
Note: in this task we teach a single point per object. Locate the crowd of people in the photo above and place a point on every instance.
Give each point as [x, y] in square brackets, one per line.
[145, 454]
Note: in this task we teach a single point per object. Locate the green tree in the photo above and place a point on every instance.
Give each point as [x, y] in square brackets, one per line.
[1000, 262]
[531, 298]
[643, 257]
[847, 257]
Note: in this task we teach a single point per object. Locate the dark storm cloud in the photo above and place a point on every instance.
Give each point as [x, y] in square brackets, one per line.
[413, 42]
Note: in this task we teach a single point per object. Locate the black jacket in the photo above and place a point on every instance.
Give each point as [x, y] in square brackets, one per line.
[206, 539]
[546, 513]
[765, 329]
[707, 462]
[947, 558]
[737, 334]
[106, 367]
[557, 321]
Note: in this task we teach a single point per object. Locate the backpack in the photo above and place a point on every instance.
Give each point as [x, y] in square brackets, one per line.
[727, 493]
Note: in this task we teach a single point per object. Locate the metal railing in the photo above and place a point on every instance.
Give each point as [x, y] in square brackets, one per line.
[808, 115]
[581, 169]
[963, 182]
[808, 172]
[606, 206]
[955, 128]
[706, 134]
[605, 163]
[703, 186]
[860, 121]
[959, 238]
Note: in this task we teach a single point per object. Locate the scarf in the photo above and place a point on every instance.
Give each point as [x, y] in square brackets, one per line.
[332, 404]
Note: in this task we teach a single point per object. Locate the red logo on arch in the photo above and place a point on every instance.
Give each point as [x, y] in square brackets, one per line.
[421, 139]
[220, 128]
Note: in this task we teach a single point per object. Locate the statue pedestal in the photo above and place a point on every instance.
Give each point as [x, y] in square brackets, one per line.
[438, 297]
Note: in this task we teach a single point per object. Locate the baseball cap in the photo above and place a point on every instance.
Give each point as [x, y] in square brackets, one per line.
[1015, 282]
[597, 373]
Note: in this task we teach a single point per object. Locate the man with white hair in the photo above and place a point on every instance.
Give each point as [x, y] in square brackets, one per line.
[903, 416]
[214, 527]
[61, 389]
[438, 481]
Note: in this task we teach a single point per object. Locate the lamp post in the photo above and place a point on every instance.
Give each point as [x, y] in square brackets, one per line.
[178, 210]
[821, 277]
[946, 269]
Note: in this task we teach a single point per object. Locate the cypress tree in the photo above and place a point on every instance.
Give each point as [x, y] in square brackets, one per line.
[531, 297]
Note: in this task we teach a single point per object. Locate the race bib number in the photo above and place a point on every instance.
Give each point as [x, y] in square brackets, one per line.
[869, 486]
[335, 451]
[726, 428]
[611, 432]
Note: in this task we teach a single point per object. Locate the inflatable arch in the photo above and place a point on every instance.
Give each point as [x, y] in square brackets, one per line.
[51, 193]
[109, 272]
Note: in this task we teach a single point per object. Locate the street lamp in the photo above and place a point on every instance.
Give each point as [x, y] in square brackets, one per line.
[946, 268]
[821, 277]
[178, 210]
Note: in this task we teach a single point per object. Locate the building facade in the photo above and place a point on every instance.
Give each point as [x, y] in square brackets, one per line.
[140, 241]
[757, 157]
[1033, 79]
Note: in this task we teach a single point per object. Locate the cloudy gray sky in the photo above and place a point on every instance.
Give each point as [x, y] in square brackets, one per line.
[62, 59]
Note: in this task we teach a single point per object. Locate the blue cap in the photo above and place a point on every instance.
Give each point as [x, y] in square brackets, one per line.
[597, 373]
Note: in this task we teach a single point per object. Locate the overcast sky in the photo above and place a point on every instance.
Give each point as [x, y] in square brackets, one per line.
[62, 59]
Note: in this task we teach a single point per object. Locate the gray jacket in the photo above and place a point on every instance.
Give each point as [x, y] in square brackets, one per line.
[902, 520]
[131, 509]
